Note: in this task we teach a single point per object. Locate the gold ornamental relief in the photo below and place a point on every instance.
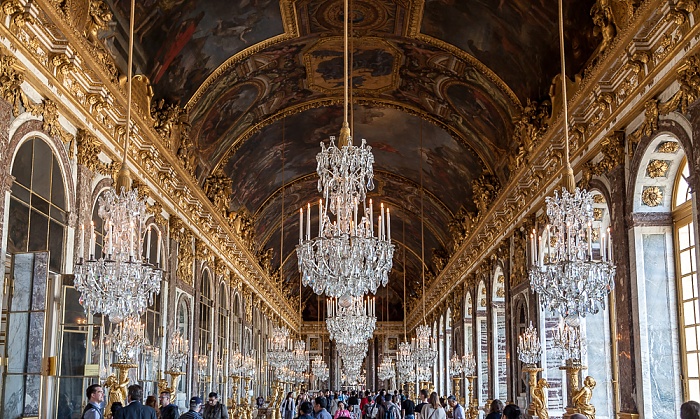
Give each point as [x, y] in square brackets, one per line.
[597, 214]
[669, 147]
[598, 199]
[658, 168]
[652, 196]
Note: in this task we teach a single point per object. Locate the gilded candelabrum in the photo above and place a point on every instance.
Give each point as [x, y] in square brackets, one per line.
[538, 399]
[174, 381]
[573, 369]
[473, 410]
[276, 402]
[458, 391]
[234, 409]
[117, 383]
[245, 405]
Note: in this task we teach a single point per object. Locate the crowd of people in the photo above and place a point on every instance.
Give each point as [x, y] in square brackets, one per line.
[326, 405]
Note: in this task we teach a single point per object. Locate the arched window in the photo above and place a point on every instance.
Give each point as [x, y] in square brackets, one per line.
[183, 326]
[37, 215]
[482, 343]
[687, 285]
[206, 306]
[498, 327]
[468, 328]
[441, 355]
[222, 340]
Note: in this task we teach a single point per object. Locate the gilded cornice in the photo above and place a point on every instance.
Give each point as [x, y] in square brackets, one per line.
[87, 96]
[611, 95]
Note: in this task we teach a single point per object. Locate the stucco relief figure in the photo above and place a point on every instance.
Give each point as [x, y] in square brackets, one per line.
[100, 16]
[582, 398]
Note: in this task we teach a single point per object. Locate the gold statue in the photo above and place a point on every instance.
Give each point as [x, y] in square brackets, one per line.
[582, 398]
[100, 16]
[539, 399]
[117, 387]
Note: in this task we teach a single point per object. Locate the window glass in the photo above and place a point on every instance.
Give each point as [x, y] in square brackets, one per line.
[37, 205]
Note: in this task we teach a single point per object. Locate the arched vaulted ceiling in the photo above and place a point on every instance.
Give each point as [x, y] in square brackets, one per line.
[260, 78]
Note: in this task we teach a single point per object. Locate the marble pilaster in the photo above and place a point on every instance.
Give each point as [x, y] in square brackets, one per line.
[624, 311]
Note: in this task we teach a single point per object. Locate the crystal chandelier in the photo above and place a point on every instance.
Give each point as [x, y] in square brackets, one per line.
[456, 365]
[346, 258]
[469, 365]
[404, 362]
[570, 279]
[119, 283]
[352, 357]
[127, 340]
[424, 350]
[278, 356]
[351, 320]
[529, 349]
[319, 368]
[569, 343]
[177, 352]
[300, 357]
[385, 371]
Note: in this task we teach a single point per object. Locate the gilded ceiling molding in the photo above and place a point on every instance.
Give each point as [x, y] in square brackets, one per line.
[657, 36]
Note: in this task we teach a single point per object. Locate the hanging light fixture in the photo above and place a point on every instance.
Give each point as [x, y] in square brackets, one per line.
[177, 352]
[385, 371]
[278, 356]
[529, 348]
[127, 340]
[120, 282]
[300, 357]
[346, 258]
[424, 348]
[405, 364]
[318, 365]
[570, 278]
[351, 320]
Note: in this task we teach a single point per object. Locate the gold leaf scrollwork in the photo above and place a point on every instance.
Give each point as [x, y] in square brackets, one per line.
[219, 187]
[11, 78]
[657, 168]
[88, 150]
[185, 255]
[529, 128]
[169, 120]
[649, 126]
[613, 154]
[485, 189]
[598, 199]
[652, 196]
[681, 10]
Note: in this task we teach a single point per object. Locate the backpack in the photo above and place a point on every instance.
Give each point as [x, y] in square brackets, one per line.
[372, 410]
[392, 412]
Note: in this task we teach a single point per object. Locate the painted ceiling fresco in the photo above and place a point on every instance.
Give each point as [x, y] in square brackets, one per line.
[260, 78]
[517, 39]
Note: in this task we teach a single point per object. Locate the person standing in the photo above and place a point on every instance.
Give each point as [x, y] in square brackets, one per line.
[408, 409]
[423, 401]
[320, 411]
[95, 395]
[433, 409]
[168, 410]
[305, 410]
[457, 409]
[214, 409]
[195, 407]
[135, 409]
[288, 407]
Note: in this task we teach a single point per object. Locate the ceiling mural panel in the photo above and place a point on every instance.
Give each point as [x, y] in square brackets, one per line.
[324, 17]
[399, 74]
[517, 39]
[186, 40]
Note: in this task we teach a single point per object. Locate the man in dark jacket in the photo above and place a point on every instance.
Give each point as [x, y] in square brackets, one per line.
[135, 409]
[214, 409]
[168, 410]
